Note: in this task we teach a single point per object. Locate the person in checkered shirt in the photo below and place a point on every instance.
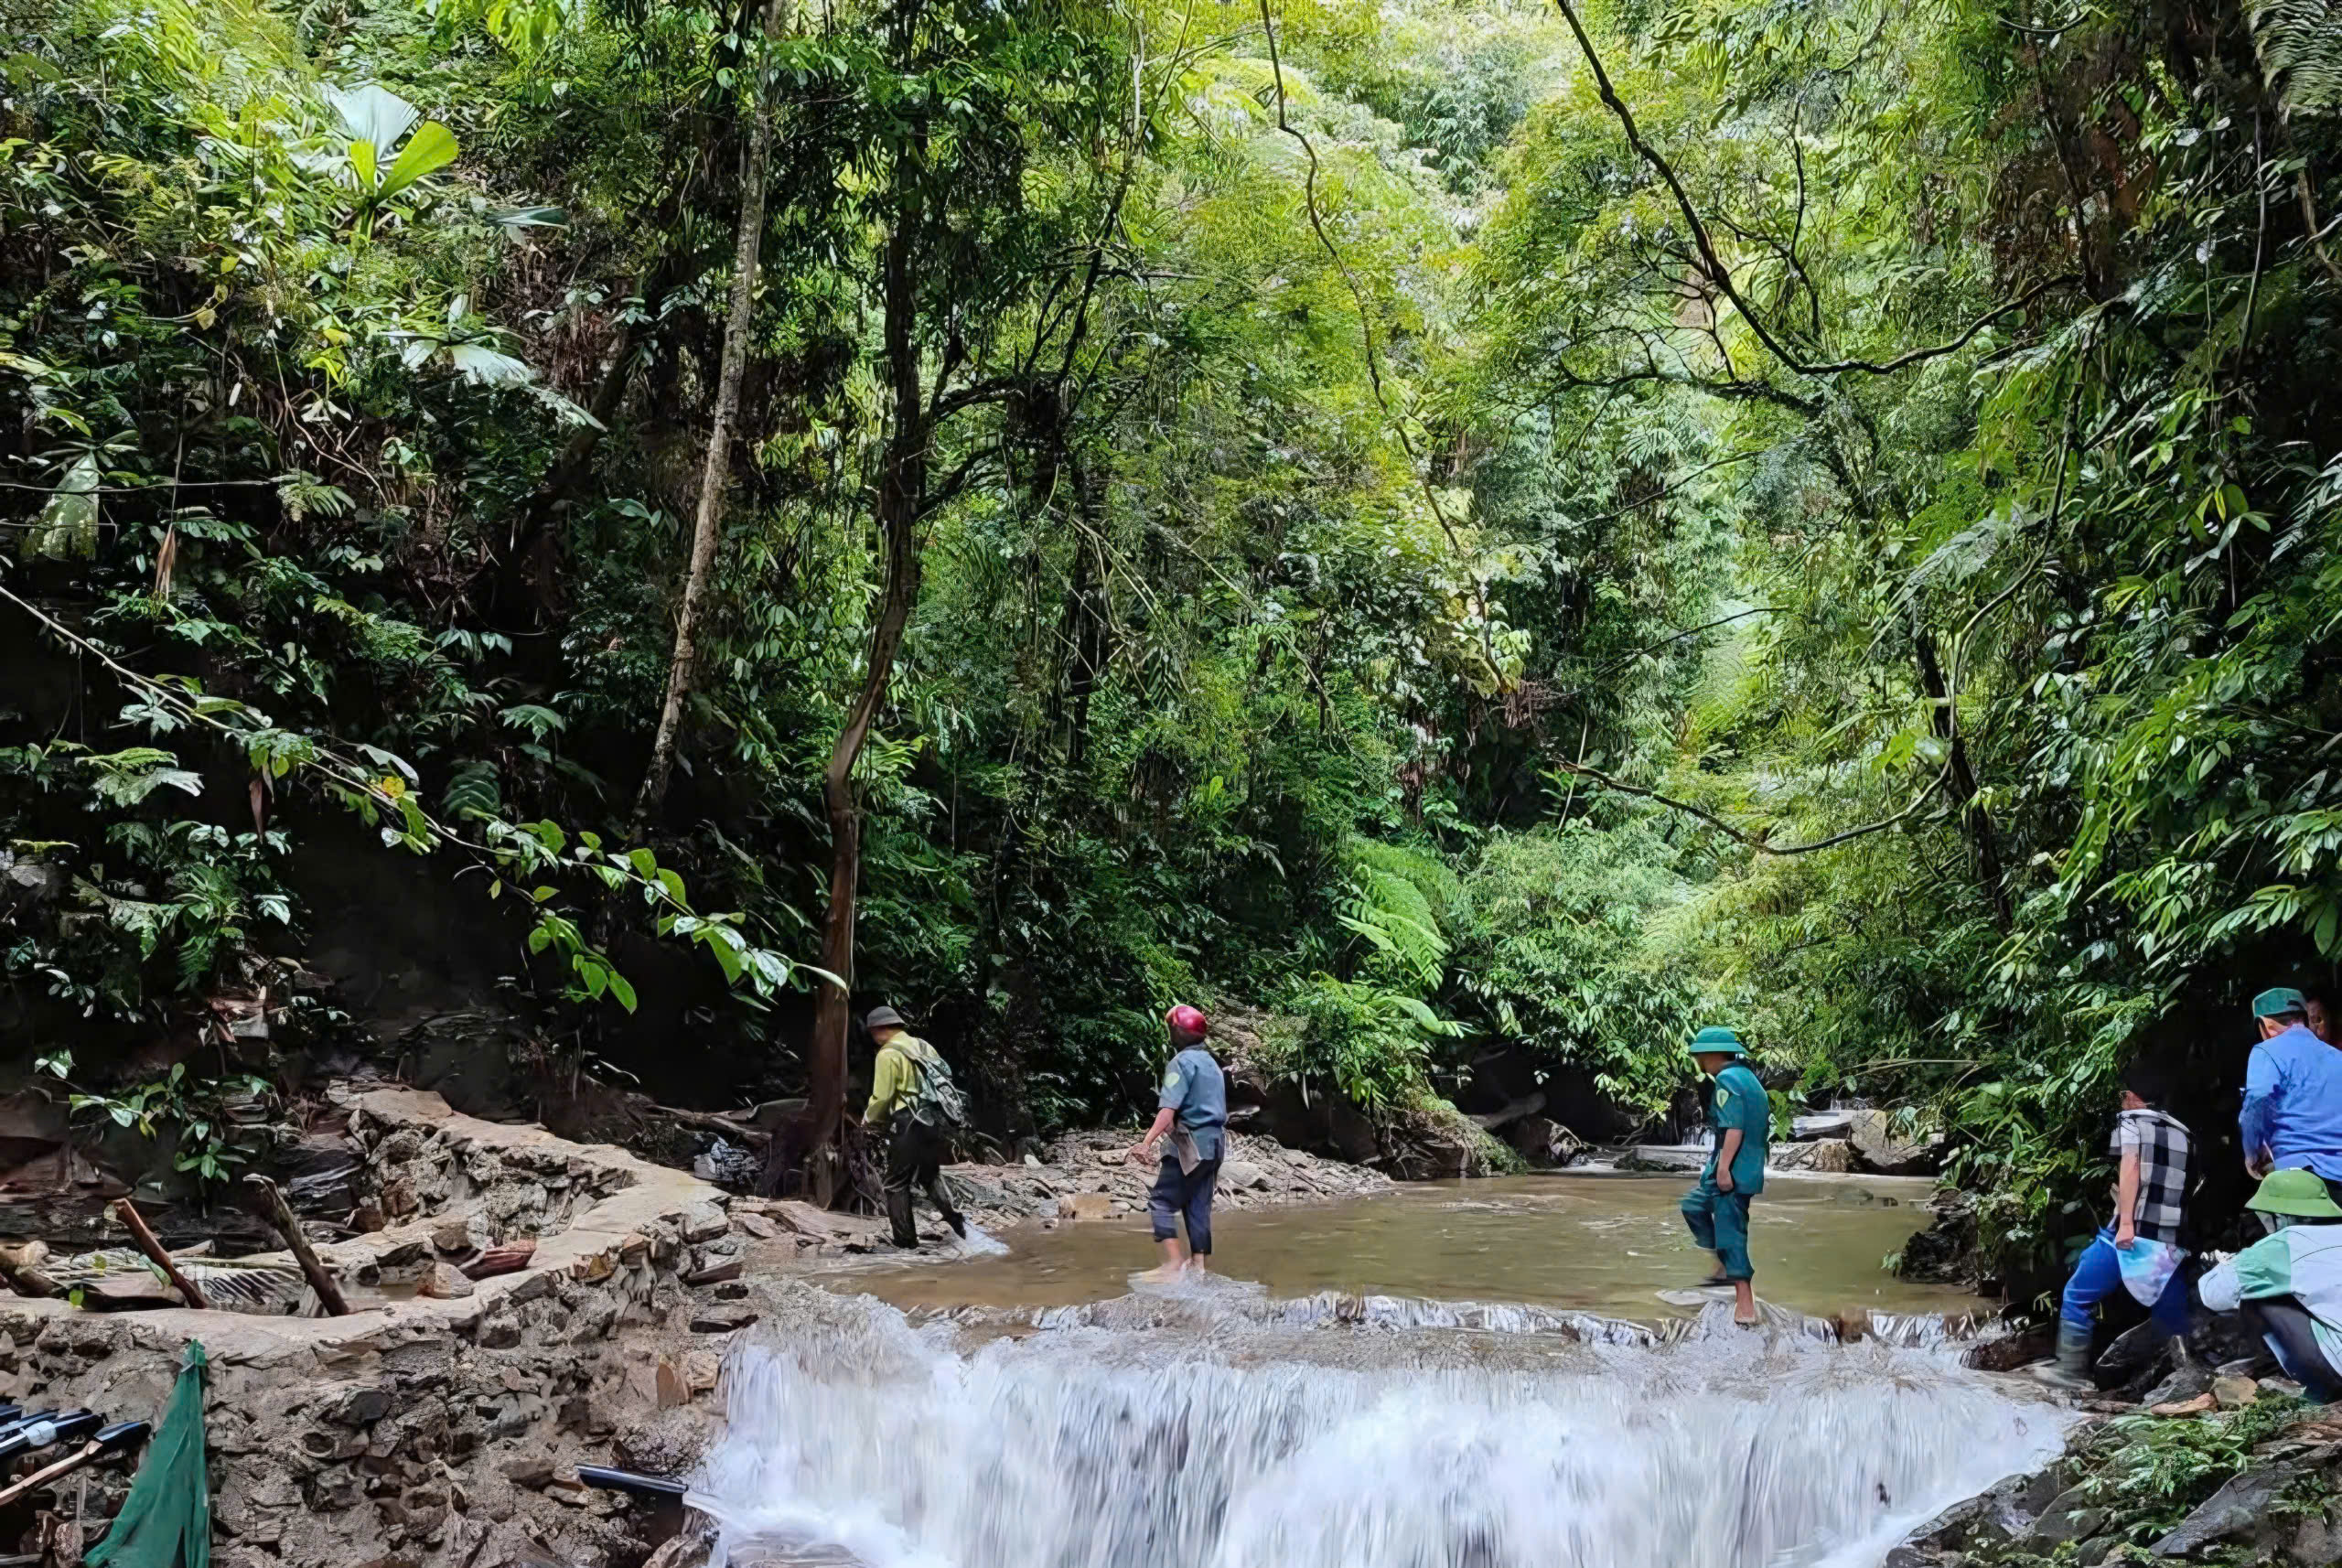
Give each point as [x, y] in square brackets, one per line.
[2140, 1249]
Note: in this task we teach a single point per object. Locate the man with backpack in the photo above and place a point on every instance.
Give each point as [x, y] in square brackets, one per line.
[911, 1085]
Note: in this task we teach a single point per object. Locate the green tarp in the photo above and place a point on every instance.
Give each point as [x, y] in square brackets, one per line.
[165, 1522]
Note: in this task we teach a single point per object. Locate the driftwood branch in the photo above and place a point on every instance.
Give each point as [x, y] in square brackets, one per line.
[279, 1213]
[127, 1212]
[709, 1122]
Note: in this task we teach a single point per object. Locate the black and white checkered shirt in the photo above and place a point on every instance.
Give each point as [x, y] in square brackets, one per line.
[2162, 1144]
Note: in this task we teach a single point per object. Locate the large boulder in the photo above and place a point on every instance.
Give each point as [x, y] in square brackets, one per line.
[1542, 1141]
[1946, 1253]
[1887, 1149]
[2245, 1509]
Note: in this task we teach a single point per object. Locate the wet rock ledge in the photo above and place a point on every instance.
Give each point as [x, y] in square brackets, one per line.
[2256, 1477]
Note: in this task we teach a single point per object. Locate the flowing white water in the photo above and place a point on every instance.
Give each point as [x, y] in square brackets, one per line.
[1252, 1447]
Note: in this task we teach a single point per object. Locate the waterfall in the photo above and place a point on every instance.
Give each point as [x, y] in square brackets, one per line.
[1253, 1446]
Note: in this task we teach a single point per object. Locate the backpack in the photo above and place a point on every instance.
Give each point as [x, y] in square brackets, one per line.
[935, 1099]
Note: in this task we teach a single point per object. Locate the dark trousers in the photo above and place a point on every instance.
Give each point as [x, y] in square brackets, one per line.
[2284, 1325]
[1178, 1192]
[915, 1159]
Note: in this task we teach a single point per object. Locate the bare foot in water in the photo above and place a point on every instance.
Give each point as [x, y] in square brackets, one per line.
[1163, 1274]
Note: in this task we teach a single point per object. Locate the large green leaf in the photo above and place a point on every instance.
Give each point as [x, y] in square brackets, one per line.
[432, 146]
[372, 113]
[486, 366]
[68, 524]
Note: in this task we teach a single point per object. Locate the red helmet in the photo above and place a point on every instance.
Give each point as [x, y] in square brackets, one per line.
[1187, 1020]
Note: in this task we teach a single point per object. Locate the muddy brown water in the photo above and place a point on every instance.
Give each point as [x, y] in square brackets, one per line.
[1601, 1243]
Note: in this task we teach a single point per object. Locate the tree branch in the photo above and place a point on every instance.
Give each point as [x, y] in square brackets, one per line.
[1755, 841]
[1714, 263]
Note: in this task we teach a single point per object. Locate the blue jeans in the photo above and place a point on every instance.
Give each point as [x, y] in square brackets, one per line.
[2098, 1273]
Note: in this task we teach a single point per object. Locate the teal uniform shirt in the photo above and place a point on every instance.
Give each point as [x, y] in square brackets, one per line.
[1740, 1101]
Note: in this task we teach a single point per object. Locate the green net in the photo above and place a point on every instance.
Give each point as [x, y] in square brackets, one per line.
[165, 1522]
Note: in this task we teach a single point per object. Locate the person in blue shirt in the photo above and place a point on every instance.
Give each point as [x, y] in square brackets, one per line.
[1716, 1211]
[1192, 1108]
[2292, 1118]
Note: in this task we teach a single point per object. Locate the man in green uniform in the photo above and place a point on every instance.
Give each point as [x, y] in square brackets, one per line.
[1717, 1209]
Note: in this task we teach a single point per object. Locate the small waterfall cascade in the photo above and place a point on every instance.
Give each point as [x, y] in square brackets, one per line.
[865, 1439]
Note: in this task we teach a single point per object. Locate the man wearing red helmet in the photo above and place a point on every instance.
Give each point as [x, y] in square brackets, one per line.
[1195, 1096]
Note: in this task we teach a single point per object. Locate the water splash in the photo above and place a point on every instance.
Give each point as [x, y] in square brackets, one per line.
[1153, 1305]
[1244, 1445]
[980, 1242]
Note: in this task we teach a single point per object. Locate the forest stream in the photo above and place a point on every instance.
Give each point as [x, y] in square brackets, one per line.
[1226, 1424]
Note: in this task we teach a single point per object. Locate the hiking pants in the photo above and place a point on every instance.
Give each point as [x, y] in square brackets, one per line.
[1175, 1193]
[1719, 1224]
[2287, 1328]
[914, 1159]
[2098, 1273]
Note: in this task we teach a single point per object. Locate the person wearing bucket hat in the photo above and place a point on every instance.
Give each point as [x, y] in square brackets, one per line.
[2288, 1284]
[915, 1103]
[1740, 1115]
[2292, 1118]
[2138, 1250]
[1193, 1109]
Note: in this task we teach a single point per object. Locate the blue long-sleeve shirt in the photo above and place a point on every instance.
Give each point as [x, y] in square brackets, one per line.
[2293, 1102]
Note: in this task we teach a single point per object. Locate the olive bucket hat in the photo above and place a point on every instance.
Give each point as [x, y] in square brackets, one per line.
[1716, 1041]
[2301, 1194]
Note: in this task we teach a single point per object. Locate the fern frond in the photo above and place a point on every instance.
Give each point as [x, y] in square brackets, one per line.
[2300, 44]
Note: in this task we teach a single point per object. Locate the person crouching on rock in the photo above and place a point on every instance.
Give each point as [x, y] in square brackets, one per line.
[912, 1097]
[2140, 1250]
[1192, 1108]
[2288, 1284]
[1741, 1116]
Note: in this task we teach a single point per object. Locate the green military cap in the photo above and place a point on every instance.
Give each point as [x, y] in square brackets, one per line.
[1716, 1041]
[2298, 1193]
[2279, 999]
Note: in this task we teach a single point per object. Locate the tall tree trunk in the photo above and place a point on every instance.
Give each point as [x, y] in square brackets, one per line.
[1983, 840]
[1094, 634]
[902, 498]
[719, 441]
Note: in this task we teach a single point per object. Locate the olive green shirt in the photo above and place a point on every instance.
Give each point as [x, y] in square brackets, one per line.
[894, 1076]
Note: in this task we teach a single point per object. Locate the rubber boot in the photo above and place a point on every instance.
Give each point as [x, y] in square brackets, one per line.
[2069, 1368]
[898, 1216]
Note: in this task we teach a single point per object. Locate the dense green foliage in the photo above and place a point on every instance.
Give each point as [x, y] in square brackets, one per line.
[1470, 523]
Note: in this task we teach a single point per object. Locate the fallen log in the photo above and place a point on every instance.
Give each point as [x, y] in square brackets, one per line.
[747, 1134]
[128, 1213]
[279, 1213]
[505, 1260]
